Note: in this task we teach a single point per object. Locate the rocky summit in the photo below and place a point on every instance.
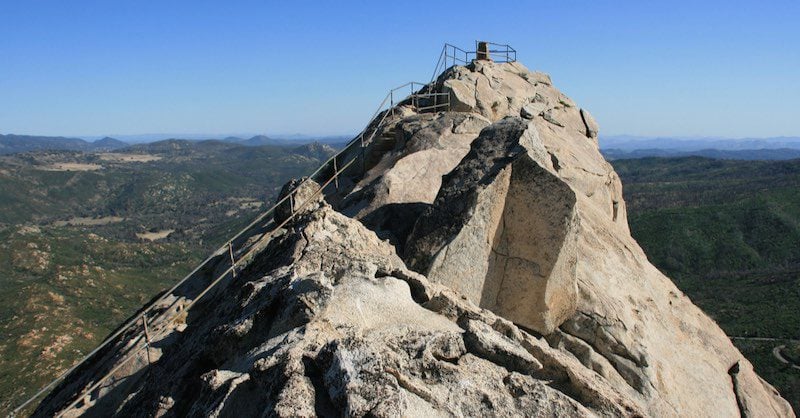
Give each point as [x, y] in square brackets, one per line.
[477, 263]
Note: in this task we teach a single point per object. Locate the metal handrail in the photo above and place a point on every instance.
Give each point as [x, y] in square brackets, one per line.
[450, 54]
[505, 53]
[445, 101]
[457, 56]
[132, 323]
[231, 270]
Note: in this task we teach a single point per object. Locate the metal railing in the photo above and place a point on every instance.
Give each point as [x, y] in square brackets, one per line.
[149, 325]
[500, 52]
[165, 326]
[452, 55]
[419, 99]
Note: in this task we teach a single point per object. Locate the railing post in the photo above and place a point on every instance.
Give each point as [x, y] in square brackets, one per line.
[147, 339]
[446, 57]
[363, 156]
[233, 260]
[335, 174]
[458, 55]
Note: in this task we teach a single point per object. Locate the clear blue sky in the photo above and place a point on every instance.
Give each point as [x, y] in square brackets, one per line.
[689, 68]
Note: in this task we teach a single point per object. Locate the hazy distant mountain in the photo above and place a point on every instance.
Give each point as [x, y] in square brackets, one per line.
[326, 139]
[628, 146]
[238, 137]
[12, 144]
[316, 150]
[146, 138]
[632, 143]
[183, 146]
[255, 141]
[258, 140]
[752, 154]
[107, 144]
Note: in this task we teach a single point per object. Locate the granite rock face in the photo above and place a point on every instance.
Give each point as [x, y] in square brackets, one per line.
[408, 176]
[328, 321]
[306, 197]
[493, 236]
[481, 265]
[531, 224]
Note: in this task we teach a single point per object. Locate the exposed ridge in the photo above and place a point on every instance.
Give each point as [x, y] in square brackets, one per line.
[527, 284]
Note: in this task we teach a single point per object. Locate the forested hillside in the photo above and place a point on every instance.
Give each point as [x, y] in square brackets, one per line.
[728, 233]
[87, 238]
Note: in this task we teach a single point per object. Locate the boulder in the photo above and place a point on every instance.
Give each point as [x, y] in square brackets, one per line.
[591, 125]
[389, 196]
[549, 116]
[529, 111]
[502, 230]
[462, 95]
[306, 197]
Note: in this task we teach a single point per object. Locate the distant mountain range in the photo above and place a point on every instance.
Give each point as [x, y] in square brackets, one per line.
[626, 146]
[288, 140]
[12, 144]
[613, 147]
[235, 137]
[748, 154]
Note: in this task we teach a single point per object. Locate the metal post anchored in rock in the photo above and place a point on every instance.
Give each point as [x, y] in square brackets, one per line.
[233, 260]
[482, 52]
[363, 156]
[147, 339]
[335, 174]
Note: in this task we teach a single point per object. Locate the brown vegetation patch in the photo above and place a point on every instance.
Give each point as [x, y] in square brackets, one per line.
[78, 221]
[128, 158]
[154, 236]
[71, 167]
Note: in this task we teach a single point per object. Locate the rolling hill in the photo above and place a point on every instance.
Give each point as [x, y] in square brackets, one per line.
[728, 233]
[13, 144]
[87, 237]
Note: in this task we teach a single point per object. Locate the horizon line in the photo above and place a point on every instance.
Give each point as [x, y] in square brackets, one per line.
[247, 135]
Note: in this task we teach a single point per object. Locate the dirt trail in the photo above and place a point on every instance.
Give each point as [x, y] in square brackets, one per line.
[776, 351]
[778, 355]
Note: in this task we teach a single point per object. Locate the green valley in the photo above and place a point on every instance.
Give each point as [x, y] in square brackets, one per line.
[87, 238]
[728, 233]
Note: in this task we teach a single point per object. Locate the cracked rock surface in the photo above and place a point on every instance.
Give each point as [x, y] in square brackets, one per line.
[328, 321]
[480, 266]
[531, 225]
